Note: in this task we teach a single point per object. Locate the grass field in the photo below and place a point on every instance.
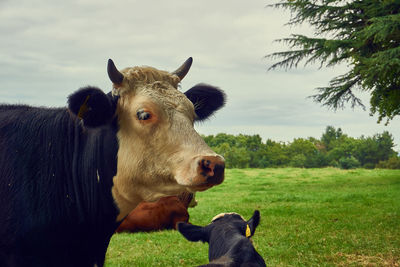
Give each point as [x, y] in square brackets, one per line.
[309, 217]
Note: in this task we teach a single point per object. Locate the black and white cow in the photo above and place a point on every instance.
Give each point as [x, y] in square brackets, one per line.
[68, 176]
[228, 236]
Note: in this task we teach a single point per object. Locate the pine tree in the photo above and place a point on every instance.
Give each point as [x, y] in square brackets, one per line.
[365, 34]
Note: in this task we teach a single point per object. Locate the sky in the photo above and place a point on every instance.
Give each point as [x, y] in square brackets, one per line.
[50, 48]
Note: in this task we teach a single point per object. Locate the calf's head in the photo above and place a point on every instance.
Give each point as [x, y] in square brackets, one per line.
[160, 153]
[223, 225]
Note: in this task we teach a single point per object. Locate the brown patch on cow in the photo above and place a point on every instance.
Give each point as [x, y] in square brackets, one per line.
[187, 199]
[344, 259]
[160, 215]
[83, 109]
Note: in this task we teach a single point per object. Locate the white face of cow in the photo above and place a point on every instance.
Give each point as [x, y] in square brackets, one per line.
[160, 153]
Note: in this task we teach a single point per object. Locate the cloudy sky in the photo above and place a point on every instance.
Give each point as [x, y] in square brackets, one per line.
[49, 48]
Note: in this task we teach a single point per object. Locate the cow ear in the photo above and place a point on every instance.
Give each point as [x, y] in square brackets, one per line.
[254, 221]
[92, 105]
[192, 232]
[206, 100]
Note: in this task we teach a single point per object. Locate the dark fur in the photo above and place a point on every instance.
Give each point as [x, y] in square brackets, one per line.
[206, 99]
[99, 108]
[226, 236]
[54, 210]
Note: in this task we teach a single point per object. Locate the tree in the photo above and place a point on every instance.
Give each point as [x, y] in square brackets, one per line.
[363, 34]
[330, 136]
[253, 145]
[299, 151]
[371, 150]
[344, 147]
[214, 141]
[275, 154]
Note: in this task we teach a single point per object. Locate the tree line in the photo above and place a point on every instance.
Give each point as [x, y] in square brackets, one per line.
[334, 148]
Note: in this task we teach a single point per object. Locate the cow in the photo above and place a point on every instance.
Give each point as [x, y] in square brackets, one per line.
[228, 236]
[160, 215]
[69, 175]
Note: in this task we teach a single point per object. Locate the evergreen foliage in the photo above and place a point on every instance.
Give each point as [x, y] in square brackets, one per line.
[364, 34]
[334, 148]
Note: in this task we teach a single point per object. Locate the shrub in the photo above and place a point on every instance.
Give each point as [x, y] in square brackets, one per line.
[349, 163]
[369, 165]
[334, 163]
[298, 161]
[391, 163]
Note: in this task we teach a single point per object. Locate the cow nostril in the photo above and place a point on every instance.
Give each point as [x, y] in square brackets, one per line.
[206, 168]
[212, 168]
[218, 174]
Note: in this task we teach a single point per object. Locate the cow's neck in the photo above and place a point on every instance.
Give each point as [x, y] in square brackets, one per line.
[124, 190]
[125, 204]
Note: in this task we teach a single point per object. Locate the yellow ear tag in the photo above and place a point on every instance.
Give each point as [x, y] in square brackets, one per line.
[248, 232]
[83, 109]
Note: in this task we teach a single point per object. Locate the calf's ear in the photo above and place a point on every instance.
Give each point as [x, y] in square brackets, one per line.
[254, 221]
[192, 232]
[206, 99]
[92, 105]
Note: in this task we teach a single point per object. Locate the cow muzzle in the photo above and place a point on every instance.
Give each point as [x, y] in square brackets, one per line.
[205, 172]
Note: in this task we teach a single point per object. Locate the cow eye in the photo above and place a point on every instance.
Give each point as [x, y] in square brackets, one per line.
[143, 115]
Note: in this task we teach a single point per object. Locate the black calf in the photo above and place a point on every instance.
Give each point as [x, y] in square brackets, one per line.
[228, 236]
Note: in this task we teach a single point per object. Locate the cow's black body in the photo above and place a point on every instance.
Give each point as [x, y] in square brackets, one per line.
[228, 239]
[55, 188]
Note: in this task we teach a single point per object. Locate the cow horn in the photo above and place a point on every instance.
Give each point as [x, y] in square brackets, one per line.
[114, 75]
[183, 70]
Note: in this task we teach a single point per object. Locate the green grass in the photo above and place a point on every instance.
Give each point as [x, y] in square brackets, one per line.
[309, 217]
